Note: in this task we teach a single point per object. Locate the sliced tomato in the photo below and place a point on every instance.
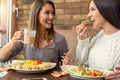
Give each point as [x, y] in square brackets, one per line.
[93, 74]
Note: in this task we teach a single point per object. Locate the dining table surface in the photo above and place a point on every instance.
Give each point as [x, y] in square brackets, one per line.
[14, 75]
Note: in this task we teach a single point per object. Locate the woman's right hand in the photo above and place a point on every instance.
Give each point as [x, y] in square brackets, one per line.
[18, 36]
[7, 49]
[82, 31]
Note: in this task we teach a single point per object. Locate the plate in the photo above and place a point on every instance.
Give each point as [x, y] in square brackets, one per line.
[30, 71]
[68, 68]
[35, 79]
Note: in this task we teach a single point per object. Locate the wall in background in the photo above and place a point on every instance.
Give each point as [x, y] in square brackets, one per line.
[69, 13]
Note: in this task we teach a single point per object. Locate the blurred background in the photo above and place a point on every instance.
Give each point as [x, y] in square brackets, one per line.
[14, 15]
[69, 13]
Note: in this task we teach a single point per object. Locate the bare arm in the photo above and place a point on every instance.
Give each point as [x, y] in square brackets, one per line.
[7, 49]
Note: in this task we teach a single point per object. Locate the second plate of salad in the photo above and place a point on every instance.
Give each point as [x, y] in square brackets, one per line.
[83, 72]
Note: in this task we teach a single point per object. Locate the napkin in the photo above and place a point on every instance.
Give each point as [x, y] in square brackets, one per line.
[3, 73]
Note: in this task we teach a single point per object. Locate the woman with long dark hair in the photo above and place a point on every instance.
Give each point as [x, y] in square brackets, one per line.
[103, 51]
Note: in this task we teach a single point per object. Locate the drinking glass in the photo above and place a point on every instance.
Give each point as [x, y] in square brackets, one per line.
[29, 36]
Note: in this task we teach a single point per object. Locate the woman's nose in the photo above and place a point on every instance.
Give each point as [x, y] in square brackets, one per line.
[51, 16]
[88, 15]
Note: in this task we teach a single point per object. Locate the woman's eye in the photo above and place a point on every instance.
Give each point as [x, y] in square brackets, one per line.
[92, 9]
[53, 13]
[46, 12]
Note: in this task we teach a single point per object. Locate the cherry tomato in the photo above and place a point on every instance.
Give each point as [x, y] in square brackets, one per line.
[93, 74]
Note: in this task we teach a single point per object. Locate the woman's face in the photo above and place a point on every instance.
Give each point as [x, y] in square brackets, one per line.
[46, 16]
[95, 16]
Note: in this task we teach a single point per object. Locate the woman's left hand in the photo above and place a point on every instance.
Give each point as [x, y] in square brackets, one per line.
[114, 75]
[66, 59]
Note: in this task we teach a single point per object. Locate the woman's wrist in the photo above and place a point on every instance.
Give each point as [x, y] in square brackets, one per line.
[13, 42]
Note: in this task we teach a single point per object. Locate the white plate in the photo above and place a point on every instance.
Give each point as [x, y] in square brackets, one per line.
[67, 69]
[30, 71]
[35, 79]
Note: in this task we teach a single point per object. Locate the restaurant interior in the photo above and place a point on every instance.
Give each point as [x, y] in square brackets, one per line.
[14, 16]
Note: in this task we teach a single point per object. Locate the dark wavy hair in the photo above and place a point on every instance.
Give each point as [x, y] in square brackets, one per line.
[110, 10]
[34, 21]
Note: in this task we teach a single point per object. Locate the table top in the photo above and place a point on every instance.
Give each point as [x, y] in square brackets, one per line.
[13, 75]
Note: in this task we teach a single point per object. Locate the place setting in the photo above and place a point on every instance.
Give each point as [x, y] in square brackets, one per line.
[3, 70]
[83, 72]
[30, 66]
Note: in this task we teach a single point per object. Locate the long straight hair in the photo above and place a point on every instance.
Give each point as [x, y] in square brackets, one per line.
[110, 10]
[34, 21]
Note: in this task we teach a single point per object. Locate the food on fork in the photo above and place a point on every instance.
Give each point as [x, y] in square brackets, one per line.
[86, 22]
[30, 65]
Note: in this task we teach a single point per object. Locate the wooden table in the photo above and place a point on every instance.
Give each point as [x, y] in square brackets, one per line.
[13, 75]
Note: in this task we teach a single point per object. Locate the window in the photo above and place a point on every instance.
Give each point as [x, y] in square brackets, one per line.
[5, 20]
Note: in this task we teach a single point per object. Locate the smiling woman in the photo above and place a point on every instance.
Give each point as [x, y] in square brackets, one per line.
[49, 46]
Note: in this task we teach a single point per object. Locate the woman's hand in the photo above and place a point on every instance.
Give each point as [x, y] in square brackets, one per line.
[2, 30]
[66, 59]
[82, 31]
[114, 75]
[7, 49]
[18, 36]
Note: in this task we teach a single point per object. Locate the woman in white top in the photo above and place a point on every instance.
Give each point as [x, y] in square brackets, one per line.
[103, 51]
